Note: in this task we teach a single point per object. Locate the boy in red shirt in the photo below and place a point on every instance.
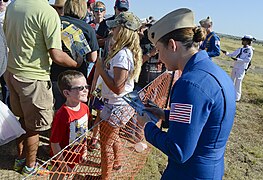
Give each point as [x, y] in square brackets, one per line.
[70, 121]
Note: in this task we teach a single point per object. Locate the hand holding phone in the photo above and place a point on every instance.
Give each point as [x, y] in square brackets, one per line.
[149, 103]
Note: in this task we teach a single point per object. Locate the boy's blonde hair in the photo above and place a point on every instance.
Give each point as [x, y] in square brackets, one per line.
[130, 39]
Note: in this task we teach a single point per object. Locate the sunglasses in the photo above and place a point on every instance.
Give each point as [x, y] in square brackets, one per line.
[4, 0]
[99, 9]
[79, 88]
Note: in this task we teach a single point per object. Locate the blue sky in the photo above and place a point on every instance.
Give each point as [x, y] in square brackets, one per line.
[233, 17]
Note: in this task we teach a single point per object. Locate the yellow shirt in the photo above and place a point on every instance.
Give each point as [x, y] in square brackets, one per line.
[32, 27]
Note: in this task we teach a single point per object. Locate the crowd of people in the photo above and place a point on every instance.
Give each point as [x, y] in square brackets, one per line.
[49, 79]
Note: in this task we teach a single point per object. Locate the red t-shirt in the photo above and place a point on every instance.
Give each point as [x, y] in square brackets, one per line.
[68, 125]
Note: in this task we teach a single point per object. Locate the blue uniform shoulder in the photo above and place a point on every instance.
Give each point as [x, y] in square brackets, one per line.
[208, 76]
[215, 36]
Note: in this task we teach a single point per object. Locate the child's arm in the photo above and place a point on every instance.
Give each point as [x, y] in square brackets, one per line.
[56, 149]
[94, 81]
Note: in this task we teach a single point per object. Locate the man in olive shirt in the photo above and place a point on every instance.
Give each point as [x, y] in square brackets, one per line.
[32, 30]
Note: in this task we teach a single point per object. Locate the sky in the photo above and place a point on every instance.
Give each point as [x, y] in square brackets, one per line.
[232, 17]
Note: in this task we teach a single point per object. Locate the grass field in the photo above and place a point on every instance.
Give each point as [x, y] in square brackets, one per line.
[244, 152]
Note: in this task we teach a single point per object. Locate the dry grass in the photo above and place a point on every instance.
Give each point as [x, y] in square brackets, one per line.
[244, 152]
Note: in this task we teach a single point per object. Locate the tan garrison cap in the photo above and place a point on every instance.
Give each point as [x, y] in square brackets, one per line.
[177, 19]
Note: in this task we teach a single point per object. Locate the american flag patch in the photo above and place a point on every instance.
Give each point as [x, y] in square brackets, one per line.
[181, 112]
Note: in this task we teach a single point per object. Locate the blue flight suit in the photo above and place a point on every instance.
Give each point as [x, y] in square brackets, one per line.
[211, 44]
[195, 145]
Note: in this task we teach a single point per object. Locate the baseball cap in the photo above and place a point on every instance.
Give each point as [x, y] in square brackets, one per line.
[248, 37]
[91, 1]
[122, 5]
[126, 19]
[177, 19]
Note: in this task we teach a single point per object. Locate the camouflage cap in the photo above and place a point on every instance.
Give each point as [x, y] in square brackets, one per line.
[126, 19]
[177, 19]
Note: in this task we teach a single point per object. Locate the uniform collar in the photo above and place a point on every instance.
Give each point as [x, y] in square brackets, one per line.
[199, 56]
[211, 33]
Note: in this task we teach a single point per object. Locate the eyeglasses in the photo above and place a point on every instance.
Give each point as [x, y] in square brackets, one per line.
[99, 9]
[79, 88]
[4, 0]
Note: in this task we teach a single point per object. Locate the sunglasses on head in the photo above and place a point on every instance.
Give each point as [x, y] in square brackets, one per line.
[79, 88]
[99, 9]
[4, 0]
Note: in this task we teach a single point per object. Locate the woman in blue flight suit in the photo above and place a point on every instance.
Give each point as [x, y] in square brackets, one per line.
[202, 103]
[212, 42]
